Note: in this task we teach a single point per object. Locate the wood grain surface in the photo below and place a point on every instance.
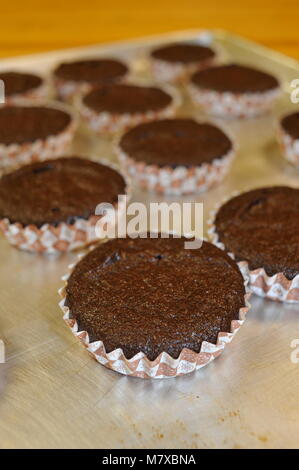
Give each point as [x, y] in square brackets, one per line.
[37, 25]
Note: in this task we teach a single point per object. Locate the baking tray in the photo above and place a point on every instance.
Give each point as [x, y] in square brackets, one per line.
[56, 396]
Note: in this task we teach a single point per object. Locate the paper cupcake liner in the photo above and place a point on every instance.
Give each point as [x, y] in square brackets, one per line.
[175, 181]
[164, 366]
[13, 155]
[68, 90]
[64, 237]
[108, 123]
[276, 287]
[40, 93]
[177, 73]
[289, 146]
[233, 105]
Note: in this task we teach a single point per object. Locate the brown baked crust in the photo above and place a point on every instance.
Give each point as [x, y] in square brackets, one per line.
[25, 124]
[290, 125]
[183, 53]
[17, 82]
[119, 99]
[60, 190]
[174, 142]
[234, 78]
[152, 295]
[262, 228]
[91, 71]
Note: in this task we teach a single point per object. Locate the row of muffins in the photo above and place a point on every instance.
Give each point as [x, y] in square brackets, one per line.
[171, 156]
[77, 77]
[116, 106]
[229, 89]
[155, 348]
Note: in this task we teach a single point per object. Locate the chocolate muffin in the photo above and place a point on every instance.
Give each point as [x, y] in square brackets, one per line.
[289, 137]
[112, 108]
[72, 78]
[235, 78]
[26, 124]
[58, 195]
[23, 87]
[175, 142]
[176, 62]
[30, 133]
[120, 99]
[153, 295]
[262, 228]
[176, 155]
[234, 90]
[183, 53]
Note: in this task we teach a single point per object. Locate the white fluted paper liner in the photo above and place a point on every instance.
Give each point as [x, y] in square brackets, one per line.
[178, 72]
[233, 105]
[14, 155]
[164, 366]
[175, 181]
[40, 93]
[289, 146]
[276, 287]
[108, 123]
[64, 237]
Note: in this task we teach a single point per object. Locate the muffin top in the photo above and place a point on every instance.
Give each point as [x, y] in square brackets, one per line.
[117, 98]
[16, 82]
[174, 142]
[262, 228]
[183, 52]
[153, 295]
[234, 78]
[25, 124]
[91, 71]
[60, 190]
[290, 124]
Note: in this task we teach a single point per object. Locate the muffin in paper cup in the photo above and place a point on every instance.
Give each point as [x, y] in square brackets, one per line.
[233, 100]
[275, 287]
[72, 79]
[56, 237]
[36, 148]
[175, 63]
[288, 137]
[23, 87]
[120, 119]
[183, 176]
[140, 365]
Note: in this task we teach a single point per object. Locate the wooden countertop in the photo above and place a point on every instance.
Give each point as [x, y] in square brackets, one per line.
[34, 26]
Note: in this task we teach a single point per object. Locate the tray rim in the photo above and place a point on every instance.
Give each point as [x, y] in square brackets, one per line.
[118, 45]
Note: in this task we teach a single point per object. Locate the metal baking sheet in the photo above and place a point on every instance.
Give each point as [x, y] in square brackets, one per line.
[53, 395]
